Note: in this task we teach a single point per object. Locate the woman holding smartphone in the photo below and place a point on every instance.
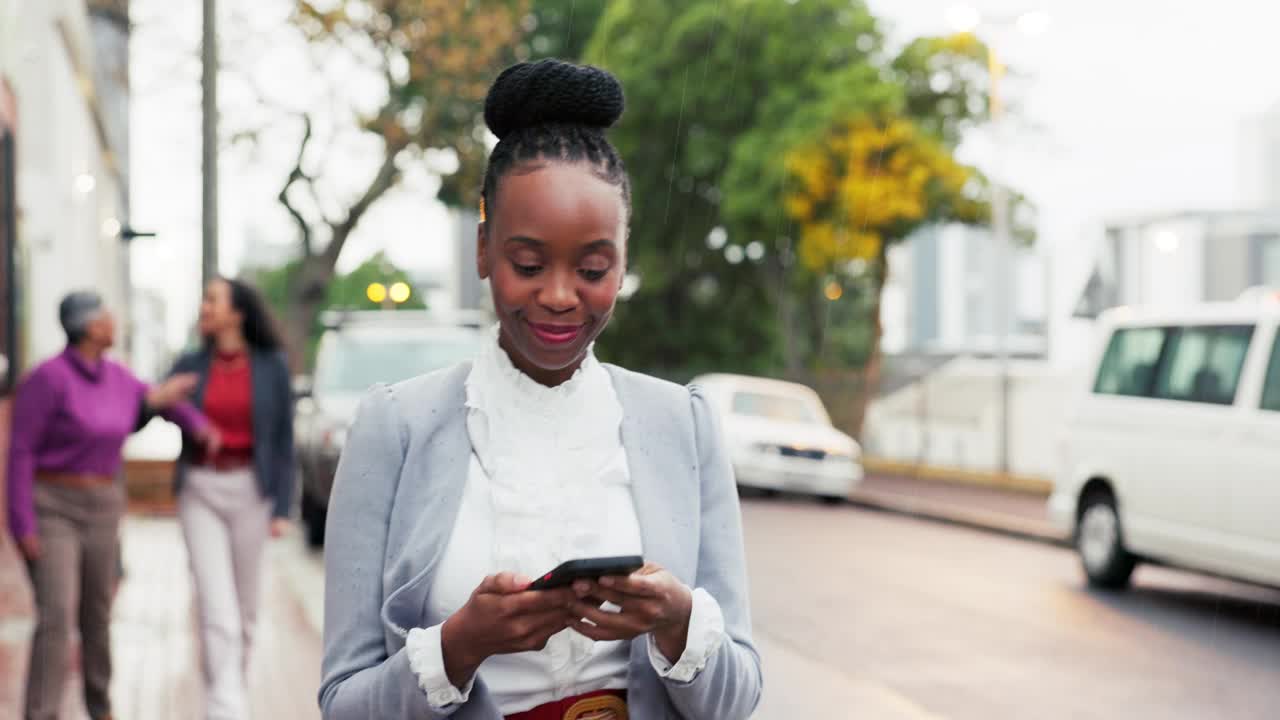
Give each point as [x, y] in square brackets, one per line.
[458, 487]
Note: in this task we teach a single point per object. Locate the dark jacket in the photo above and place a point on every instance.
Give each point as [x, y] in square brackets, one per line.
[273, 453]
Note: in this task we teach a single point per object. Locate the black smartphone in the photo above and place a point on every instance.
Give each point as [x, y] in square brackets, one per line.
[587, 569]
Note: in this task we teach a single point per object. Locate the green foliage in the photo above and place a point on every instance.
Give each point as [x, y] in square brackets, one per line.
[720, 94]
[561, 28]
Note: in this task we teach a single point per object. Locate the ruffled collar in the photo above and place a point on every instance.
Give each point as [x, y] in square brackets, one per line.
[494, 379]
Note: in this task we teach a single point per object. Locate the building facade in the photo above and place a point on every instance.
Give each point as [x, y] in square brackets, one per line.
[63, 204]
[945, 295]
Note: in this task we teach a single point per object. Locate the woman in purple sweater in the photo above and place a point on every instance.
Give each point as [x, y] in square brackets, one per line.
[71, 416]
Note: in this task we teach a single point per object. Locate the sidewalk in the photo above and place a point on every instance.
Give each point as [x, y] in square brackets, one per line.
[154, 641]
[1020, 513]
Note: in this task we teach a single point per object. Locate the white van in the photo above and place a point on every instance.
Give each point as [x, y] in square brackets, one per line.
[1171, 454]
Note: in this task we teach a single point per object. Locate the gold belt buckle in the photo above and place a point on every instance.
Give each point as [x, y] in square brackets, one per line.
[601, 707]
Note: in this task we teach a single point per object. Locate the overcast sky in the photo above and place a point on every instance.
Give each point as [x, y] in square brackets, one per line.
[1129, 107]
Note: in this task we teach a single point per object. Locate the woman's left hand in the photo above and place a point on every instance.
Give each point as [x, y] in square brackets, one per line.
[279, 527]
[652, 601]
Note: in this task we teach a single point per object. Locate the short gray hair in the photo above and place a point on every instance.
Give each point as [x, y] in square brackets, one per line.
[76, 311]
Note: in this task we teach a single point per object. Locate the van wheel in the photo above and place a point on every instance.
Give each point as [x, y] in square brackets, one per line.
[313, 517]
[1100, 542]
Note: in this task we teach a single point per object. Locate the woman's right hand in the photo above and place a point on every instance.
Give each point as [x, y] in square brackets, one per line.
[502, 616]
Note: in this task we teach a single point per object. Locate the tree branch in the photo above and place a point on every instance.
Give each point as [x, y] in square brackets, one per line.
[387, 175]
[297, 175]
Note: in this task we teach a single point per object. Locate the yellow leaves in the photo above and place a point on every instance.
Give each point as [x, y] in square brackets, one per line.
[964, 43]
[822, 243]
[864, 184]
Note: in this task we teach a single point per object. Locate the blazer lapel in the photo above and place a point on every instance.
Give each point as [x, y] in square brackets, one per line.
[665, 517]
[432, 484]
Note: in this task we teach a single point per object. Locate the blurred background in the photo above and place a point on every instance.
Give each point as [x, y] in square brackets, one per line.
[907, 243]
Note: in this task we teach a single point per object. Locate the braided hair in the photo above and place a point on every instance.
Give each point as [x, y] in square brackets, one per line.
[553, 110]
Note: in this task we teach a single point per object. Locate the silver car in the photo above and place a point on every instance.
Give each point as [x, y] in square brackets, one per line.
[357, 351]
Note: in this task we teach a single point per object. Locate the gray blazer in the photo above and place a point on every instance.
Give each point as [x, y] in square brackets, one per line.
[395, 499]
[273, 449]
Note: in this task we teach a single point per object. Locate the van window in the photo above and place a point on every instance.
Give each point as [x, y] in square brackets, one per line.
[1129, 365]
[1202, 364]
[1271, 388]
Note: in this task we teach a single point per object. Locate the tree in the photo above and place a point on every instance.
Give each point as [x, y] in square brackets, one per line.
[562, 28]
[344, 292]
[434, 59]
[721, 94]
[865, 185]
[708, 83]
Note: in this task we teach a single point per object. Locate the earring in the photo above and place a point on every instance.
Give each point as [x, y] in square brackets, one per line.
[482, 213]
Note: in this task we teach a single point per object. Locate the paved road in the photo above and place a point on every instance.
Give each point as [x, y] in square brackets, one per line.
[863, 614]
[922, 620]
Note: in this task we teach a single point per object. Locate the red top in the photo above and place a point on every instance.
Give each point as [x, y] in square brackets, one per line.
[228, 403]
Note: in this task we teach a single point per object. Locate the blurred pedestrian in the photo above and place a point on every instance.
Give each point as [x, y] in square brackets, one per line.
[231, 499]
[457, 487]
[70, 419]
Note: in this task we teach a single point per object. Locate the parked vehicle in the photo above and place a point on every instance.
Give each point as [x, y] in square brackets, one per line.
[357, 351]
[780, 437]
[1172, 452]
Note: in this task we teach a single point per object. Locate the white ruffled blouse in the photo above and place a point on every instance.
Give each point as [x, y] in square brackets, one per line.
[548, 482]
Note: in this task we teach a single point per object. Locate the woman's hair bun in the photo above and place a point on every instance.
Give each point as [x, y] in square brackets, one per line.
[552, 92]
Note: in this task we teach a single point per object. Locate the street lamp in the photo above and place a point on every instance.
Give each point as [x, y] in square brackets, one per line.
[967, 19]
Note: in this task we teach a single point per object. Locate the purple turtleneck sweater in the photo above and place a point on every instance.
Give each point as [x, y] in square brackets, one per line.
[71, 416]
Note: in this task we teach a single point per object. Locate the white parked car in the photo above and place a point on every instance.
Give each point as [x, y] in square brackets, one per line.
[780, 437]
[1172, 451]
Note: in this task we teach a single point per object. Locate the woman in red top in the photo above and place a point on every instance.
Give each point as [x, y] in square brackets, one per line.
[230, 500]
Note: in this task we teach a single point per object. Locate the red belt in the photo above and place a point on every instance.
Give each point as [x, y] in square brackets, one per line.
[599, 705]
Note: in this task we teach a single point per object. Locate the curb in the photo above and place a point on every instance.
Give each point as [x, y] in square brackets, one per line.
[999, 523]
[1028, 484]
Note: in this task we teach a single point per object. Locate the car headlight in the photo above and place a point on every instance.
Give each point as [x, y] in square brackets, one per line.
[844, 453]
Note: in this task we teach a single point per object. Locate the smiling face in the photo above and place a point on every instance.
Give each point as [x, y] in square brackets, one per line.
[554, 250]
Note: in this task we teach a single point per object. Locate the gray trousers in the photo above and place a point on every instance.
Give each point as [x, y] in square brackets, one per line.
[225, 521]
[73, 579]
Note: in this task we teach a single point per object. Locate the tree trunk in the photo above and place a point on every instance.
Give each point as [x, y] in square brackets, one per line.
[819, 316]
[776, 282]
[306, 298]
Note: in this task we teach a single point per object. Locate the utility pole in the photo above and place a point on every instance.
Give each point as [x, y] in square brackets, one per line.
[209, 127]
